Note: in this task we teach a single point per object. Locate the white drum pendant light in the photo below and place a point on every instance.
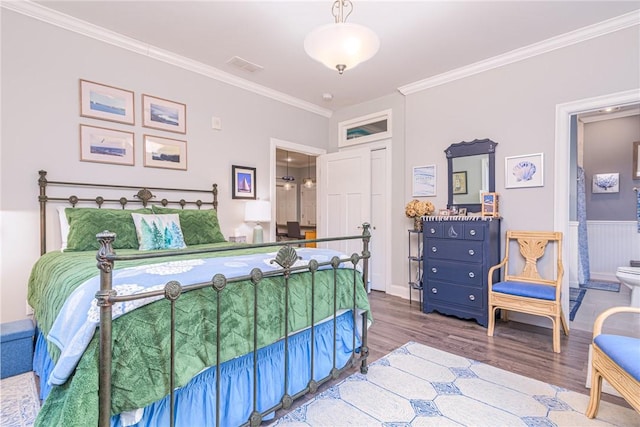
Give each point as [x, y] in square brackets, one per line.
[340, 45]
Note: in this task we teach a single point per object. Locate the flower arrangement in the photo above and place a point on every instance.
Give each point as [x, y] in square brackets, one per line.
[417, 208]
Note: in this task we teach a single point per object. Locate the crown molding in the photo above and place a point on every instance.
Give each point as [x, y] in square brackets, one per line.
[592, 31]
[50, 16]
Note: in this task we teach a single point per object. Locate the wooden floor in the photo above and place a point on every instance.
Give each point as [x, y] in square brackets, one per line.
[515, 347]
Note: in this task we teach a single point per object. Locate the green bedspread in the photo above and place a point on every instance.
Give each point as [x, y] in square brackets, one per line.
[140, 373]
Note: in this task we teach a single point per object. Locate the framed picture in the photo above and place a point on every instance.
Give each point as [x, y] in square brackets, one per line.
[524, 171]
[165, 153]
[104, 102]
[635, 174]
[606, 183]
[460, 182]
[162, 114]
[444, 212]
[490, 204]
[424, 181]
[103, 145]
[462, 211]
[243, 180]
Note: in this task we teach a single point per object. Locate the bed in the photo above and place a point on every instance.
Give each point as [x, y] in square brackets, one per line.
[158, 320]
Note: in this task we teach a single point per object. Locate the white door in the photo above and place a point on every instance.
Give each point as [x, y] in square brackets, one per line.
[308, 205]
[344, 202]
[379, 214]
[286, 204]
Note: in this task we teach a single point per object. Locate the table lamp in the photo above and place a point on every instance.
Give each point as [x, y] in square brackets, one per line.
[257, 211]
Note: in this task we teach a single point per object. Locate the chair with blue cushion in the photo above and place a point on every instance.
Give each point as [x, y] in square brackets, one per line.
[527, 291]
[616, 358]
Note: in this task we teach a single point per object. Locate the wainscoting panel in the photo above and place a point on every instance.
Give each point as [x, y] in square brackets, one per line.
[611, 244]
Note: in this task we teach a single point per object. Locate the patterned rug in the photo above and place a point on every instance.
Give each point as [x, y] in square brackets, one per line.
[601, 285]
[417, 385]
[575, 299]
[19, 402]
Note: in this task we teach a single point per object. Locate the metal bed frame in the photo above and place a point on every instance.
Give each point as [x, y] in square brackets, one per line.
[286, 258]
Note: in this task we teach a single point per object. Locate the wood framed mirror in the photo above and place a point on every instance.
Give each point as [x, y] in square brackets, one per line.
[471, 172]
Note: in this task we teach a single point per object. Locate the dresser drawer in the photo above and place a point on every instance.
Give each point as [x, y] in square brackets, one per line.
[461, 230]
[454, 250]
[464, 273]
[451, 294]
[432, 229]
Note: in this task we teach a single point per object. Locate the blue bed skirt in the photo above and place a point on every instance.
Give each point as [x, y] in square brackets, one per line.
[195, 403]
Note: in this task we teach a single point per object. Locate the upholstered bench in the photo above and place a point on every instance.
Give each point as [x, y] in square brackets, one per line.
[616, 358]
[16, 346]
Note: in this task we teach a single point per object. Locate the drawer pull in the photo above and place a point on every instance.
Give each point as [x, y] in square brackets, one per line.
[434, 290]
[434, 249]
[472, 232]
[472, 297]
[434, 270]
[472, 274]
[432, 230]
[472, 252]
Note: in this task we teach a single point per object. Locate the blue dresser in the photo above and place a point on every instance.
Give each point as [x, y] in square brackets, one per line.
[458, 252]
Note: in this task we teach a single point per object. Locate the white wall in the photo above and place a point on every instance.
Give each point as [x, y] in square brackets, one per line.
[41, 67]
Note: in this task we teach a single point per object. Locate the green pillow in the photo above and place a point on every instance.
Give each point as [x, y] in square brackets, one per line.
[85, 223]
[198, 226]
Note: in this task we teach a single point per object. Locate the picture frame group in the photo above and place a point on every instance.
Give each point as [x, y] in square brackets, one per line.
[115, 146]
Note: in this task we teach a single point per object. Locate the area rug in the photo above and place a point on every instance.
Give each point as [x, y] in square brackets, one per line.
[575, 299]
[418, 385]
[601, 285]
[19, 402]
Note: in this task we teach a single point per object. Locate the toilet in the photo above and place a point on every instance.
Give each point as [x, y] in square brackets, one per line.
[630, 276]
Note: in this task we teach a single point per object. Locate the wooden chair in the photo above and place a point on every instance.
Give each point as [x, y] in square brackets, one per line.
[528, 292]
[616, 358]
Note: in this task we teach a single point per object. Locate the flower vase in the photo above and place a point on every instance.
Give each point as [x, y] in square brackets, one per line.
[417, 223]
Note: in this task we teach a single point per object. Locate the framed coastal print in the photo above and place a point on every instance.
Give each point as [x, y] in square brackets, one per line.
[162, 114]
[102, 145]
[524, 171]
[490, 204]
[243, 182]
[424, 181]
[165, 153]
[460, 182]
[105, 102]
[606, 183]
[636, 161]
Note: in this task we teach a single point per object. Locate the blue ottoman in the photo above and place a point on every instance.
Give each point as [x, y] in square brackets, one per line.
[16, 346]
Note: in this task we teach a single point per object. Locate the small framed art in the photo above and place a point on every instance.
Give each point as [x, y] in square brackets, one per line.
[243, 182]
[102, 145]
[165, 153]
[460, 182]
[162, 114]
[104, 102]
[490, 204]
[424, 181]
[462, 211]
[635, 174]
[524, 171]
[606, 183]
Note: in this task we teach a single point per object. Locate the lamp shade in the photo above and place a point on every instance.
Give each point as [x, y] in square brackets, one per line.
[257, 211]
[341, 45]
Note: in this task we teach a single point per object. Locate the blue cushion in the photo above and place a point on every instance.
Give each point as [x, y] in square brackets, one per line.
[524, 289]
[624, 351]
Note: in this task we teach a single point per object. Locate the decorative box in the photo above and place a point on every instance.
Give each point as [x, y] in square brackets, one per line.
[16, 347]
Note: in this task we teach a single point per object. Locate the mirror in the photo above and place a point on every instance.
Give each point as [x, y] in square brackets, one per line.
[471, 167]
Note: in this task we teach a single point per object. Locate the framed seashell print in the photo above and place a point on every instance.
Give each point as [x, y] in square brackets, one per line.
[524, 171]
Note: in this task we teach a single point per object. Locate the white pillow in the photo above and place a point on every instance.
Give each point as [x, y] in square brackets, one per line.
[64, 227]
[158, 231]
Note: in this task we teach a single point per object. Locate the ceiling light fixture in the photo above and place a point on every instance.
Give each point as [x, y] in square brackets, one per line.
[341, 45]
[288, 178]
[308, 182]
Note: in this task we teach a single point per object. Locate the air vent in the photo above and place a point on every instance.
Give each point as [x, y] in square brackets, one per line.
[236, 61]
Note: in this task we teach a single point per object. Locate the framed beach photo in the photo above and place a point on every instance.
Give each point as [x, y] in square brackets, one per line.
[243, 182]
[165, 153]
[524, 171]
[162, 114]
[104, 102]
[424, 181]
[102, 145]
